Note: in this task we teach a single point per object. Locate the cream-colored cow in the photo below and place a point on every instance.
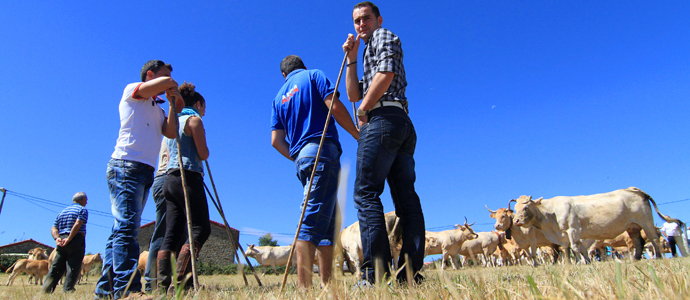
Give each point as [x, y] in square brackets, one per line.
[448, 243]
[87, 263]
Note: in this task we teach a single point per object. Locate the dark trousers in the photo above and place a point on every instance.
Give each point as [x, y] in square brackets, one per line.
[68, 257]
[672, 243]
[385, 152]
[176, 228]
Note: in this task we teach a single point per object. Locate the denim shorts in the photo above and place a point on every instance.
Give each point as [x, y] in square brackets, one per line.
[318, 225]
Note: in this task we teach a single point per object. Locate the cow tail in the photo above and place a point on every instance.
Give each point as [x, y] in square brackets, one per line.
[11, 267]
[666, 218]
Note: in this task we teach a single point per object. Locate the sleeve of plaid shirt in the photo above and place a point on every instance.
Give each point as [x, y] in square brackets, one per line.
[388, 52]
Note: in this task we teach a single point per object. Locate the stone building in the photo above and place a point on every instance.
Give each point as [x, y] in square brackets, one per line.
[218, 250]
[23, 247]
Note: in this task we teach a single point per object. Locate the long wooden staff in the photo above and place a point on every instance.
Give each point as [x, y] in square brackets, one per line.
[313, 172]
[186, 198]
[222, 214]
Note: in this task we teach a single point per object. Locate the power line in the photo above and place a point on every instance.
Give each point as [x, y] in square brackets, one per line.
[36, 200]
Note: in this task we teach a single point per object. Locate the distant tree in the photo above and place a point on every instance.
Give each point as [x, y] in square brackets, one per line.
[267, 240]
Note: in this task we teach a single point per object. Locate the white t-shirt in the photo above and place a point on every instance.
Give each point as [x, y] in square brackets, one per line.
[141, 123]
[671, 229]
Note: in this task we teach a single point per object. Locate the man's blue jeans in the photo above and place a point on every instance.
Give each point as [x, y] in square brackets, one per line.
[385, 151]
[158, 231]
[129, 184]
[318, 225]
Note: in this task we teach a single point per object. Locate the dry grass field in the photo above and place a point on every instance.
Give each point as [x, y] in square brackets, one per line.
[647, 279]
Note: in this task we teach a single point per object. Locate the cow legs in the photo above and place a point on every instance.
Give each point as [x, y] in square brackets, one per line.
[634, 234]
[654, 238]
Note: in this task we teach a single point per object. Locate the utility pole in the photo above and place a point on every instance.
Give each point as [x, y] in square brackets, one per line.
[4, 191]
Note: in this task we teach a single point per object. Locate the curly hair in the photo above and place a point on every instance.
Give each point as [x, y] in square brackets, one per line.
[189, 95]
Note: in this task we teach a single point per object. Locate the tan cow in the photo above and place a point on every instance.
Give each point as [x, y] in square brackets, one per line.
[566, 220]
[448, 243]
[528, 238]
[351, 242]
[37, 253]
[623, 240]
[509, 251]
[87, 263]
[37, 268]
[270, 256]
[143, 259]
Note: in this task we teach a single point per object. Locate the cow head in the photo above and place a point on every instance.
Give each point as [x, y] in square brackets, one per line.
[37, 254]
[504, 218]
[467, 231]
[252, 252]
[525, 210]
[97, 258]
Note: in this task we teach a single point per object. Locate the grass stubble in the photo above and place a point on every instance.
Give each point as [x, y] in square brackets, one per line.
[647, 279]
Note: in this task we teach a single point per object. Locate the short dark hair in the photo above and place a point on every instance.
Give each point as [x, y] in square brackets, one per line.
[374, 8]
[189, 95]
[153, 66]
[291, 63]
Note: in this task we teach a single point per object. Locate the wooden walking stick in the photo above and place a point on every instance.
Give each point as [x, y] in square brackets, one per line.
[192, 251]
[222, 214]
[313, 172]
[227, 230]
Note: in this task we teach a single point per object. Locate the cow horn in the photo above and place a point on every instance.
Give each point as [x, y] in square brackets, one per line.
[457, 226]
[511, 200]
[526, 201]
[465, 221]
[491, 211]
[472, 224]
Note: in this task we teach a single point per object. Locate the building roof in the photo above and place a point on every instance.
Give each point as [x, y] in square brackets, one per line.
[212, 223]
[24, 242]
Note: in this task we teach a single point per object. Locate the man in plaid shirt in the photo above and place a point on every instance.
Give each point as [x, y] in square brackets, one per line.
[386, 145]
[69, 232]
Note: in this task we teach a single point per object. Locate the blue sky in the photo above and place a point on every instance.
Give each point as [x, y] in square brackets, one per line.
[509, 98]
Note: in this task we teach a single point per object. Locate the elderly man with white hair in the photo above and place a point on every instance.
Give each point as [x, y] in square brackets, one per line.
[69, 232]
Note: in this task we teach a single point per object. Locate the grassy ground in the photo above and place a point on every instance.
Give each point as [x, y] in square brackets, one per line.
[648, 279]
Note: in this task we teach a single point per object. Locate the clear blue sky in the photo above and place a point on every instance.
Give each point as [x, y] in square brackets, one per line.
[509, 98]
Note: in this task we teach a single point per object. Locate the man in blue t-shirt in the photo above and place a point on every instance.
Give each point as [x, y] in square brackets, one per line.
[69, 232]
[297, 121]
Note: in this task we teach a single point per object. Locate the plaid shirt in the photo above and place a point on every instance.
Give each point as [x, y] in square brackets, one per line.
[66, 219]
[383, 53]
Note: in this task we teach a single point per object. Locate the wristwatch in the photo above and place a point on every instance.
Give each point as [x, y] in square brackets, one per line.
[361, 113]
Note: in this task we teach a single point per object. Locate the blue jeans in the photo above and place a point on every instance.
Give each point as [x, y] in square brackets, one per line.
[385, 151]
[129, 184]
[158, 231]
[318, 225]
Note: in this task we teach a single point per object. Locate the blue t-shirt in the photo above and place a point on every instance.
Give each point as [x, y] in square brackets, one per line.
[66, 219]
[300, 111]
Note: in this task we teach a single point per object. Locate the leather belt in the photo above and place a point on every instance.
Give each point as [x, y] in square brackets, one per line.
[387, 103]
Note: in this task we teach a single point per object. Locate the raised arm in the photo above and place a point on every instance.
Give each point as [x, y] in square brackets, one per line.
[168, 128]
[154, 87]
[341, 115]
[351, 81]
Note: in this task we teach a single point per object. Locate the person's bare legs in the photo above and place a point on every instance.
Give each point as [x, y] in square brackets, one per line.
[305, 263]
[325, 264]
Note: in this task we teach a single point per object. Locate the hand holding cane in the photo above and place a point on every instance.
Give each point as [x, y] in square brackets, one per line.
[311, 178]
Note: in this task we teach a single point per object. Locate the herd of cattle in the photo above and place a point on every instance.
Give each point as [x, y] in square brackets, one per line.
[533, 232]
[37, 264]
